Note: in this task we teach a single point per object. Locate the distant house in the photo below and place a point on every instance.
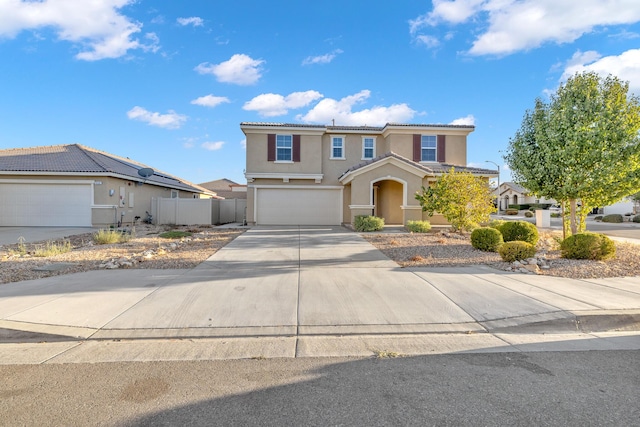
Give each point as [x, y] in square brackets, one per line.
[511, 193]
[74, 185]
[226, 188]
[301, 174]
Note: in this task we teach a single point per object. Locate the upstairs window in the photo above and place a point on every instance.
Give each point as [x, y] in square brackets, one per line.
[284, 148]
[428, 145]
[368, 147]
[337, 147]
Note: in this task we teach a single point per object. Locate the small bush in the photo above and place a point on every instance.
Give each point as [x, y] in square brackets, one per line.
[615, 218]
[516, 251]
[555, 215]
[486, 239]
[174, 234]
[365, 223]
[588, 245]
[105, 237]
[53, 248]
[520, 230]
[511, 212]
[496, 223]
[521, 207]
[598, 218]
[418, 226]
[528, 214]
[636, 218]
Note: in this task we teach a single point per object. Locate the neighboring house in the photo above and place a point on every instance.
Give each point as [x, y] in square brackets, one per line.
[74, 185]
[226, 188]
[301, 174]
[511, 193]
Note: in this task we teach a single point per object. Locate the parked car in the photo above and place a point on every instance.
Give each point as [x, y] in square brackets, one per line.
[555, 209]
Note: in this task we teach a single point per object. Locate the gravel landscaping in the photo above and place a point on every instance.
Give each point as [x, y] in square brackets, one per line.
[146, 249]
[443, 249]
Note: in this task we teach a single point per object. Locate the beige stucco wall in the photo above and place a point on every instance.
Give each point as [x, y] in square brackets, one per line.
[310, 155]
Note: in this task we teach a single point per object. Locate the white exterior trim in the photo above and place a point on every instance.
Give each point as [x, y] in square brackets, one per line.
[389, 160]
[361, 206]
[389, 178]
[374, 146]
[285, 177]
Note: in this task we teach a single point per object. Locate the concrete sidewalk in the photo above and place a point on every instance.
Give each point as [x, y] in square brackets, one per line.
[315, 291]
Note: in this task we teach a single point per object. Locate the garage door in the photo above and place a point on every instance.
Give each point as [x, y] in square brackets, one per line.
[47, 205]
[291, 206]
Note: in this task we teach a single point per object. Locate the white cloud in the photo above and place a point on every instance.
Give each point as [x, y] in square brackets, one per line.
[322, 59]
[243, 143]
[240, 69]
[342, 112]
[171, 120]
[626, 66]
[97, 26]
[210, 101]
[465, 121]
[272, 104]
[428, 41]
[212, 146]
[508, 26]
[194, 20]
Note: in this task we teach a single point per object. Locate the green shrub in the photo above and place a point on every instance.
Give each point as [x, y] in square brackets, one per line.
[418, 226]
[636, 218]
[528, 214]
[519, 230]
[555, 215]
[105, 237]
[521, 207]
[496, 223]
[516, 251]
[368, 223]
[53, 248]
[598, 218]
[588, 245]
[175, 234]
[615, 218]
[486, 239]
[511, 211]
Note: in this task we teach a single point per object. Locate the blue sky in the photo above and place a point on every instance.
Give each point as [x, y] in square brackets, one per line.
[167, 83]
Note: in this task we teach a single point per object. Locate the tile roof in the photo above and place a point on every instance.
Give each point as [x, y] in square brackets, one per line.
[79, 159]
[431, 168]
[355, 128]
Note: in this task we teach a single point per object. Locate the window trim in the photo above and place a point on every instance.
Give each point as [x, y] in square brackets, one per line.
[290, 148]
[372, 148]
[434, 148]
[342, 147]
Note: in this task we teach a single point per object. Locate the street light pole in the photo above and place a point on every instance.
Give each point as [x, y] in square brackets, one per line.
[498, 189]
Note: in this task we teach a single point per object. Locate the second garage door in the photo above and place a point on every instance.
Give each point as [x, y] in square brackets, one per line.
[51, 205]
[292, 206]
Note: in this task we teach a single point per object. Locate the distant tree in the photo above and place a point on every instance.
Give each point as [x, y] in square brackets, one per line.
[582, 148]
[463, 199]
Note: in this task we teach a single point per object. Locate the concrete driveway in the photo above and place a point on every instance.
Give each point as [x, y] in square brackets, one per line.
[12, 235]
[302, 287]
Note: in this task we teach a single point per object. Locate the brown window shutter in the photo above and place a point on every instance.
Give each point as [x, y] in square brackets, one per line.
[417, 149]
[442, 155]
[296, 148]
[271, 147]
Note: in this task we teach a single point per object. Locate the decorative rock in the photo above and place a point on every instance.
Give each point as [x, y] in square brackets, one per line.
[532, 268]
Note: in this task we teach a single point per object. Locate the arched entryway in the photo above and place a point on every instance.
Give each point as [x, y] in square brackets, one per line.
[388, 199]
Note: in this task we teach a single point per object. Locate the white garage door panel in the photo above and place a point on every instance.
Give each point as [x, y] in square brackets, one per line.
[298, 206]
[47, 205]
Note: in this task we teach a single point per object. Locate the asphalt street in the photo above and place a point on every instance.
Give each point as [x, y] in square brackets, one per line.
[595, 388]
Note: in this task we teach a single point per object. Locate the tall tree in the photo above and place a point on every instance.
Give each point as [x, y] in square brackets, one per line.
[463, 199]
[582, 148]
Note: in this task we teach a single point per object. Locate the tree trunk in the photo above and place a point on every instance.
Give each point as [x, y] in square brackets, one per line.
[573, 219]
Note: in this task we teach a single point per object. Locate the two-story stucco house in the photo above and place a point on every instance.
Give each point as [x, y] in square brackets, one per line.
[301, 174]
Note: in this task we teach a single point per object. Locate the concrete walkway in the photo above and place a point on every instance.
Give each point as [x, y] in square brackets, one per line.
[307, 291]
